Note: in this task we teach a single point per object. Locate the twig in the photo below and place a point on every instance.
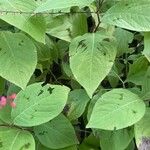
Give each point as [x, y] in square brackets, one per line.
[97, 13]
[123, 84]
[43, 13]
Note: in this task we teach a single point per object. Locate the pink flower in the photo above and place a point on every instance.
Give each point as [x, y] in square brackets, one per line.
[13, 104]
[12, 96]
[3, 101]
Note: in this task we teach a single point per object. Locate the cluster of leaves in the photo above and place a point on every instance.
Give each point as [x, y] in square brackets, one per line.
[82, 79]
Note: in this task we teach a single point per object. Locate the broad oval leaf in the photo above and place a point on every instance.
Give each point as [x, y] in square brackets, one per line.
[63, 4]
[59, 128]
[38, 104]
[16, 139]
[18, 58]
[129, 14]
[91, 59]
[35, 26]
[142, 131]
[116, 109]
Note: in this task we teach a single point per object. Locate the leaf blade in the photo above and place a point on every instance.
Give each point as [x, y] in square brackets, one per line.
[116, 109]
[36, 101]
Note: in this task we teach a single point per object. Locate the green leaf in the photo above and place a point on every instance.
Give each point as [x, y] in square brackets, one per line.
[56, 134]
[45, 51]
[13, 89]
[129, 14]
[131, 146]
[90, 143]
[116, 109]
[38, 104]
[123, 39]
[142, 130]
[145, 94]
[66, 27]
[88, 54]
[147, 45]
[5, 115]
[63, 4]
[137, 70]
[118, 140]
[16, 139]
[77, 101]
[2, 85]
[18, 58]
[35, 26]
[41, 147]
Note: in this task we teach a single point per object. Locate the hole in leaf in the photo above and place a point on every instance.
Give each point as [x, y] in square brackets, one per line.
[50, 90]
[41, 92]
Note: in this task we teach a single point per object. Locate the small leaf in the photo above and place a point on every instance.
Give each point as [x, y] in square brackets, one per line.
[116, 109]
[66, 27]
[129, 14]
[90, 143]
[38, 104]
[88, 54]
[18, 58]
[16, 139]
[137, 70]
[77, 101]
[59, 128]
[123, 39]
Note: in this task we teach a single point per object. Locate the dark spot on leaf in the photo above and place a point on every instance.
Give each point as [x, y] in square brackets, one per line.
[121, 96]
[35, 110]
[20, 44]
[50, 90]
[69, 32]
[148, 77]
[126, 4]
[82, 44]
[0, 48]
[32, 117]
[41, 92]
[134, 111]
[26, 146]
[22, 41]
[42, 133]
[107, 39]
[26, 97]
[111, 61]
[104, 53]
[98, 48]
